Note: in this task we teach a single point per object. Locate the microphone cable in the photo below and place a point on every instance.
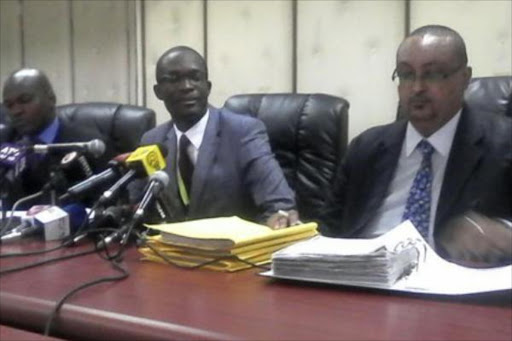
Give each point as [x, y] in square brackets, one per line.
[116, 266]
[200, 265]
[16, 204]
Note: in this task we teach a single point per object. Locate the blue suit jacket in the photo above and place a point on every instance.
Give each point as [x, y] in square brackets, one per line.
[235, 173]
[478, 174]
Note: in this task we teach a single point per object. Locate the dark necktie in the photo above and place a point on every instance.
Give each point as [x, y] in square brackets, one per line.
[186, 167]
[417, 208]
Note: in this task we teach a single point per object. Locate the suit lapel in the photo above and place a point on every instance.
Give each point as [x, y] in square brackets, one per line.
[207, 154]
[383, 165]
[464, 157]
[170, 142]
[168, 136]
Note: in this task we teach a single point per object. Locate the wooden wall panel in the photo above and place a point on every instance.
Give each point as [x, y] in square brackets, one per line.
[168, 24]
[48, 43]
[347, 48]
[10, 38]
[249, 47]
[485, 26]
[100, 45]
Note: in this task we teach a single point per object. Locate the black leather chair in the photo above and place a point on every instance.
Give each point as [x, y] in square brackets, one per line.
[308, 134]
[490, 94]
[121, 125]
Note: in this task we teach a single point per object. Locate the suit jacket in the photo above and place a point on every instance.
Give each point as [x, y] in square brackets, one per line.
[478, 174]
[235, 173]
[39, 167]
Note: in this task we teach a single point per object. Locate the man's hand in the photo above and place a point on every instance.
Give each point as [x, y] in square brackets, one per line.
[476, 240]
[282, 219]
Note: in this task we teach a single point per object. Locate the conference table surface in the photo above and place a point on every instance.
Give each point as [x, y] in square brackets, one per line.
[159, 301]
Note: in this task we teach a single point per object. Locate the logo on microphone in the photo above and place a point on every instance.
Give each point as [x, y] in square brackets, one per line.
[150, 157]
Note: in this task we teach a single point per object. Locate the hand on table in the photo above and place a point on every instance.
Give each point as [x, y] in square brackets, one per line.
[283, 219]
[477, 240]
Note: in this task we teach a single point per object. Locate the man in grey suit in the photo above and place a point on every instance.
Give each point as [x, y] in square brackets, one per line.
[446, 168]
[219, 163]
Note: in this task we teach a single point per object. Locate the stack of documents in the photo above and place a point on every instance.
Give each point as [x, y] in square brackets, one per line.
[399, 260]
[353, 263]
[223, 244]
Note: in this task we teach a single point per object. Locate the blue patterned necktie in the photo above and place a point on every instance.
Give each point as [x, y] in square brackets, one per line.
[417, 208]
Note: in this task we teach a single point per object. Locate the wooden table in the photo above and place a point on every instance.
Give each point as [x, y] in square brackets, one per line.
[13, 334]
[163, 302]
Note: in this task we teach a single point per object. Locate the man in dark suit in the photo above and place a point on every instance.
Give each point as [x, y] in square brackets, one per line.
[446, 168]
[30, 101]
[219, 163]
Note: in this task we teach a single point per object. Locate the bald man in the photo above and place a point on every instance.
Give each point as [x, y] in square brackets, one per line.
[445, 168]
[219, 163]
[30, 102]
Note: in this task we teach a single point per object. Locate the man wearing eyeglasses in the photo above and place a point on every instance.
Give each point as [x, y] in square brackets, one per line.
[445, 168]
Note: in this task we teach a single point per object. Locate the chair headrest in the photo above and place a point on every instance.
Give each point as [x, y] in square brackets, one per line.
[490, 94]
[121, 125]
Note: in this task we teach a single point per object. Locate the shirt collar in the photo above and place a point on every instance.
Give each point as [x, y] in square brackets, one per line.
[49, 133]
[441, 140]
[196, 132]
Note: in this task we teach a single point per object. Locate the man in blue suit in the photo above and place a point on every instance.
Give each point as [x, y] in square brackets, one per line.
[219, 163]
[446, 168]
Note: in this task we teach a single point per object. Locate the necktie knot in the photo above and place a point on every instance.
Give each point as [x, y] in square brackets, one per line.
[184, 144]
[425, 148]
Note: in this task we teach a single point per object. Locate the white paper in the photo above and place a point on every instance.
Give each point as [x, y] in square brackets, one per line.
[433, 274]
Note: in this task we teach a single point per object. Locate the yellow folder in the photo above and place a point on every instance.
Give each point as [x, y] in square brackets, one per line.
[225, 233]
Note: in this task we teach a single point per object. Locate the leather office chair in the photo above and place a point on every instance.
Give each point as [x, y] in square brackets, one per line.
[308, 135]
[121, 125]
[490, 94]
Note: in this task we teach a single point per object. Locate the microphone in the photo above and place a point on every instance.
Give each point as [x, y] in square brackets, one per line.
[157, 182]
[112, 217]
[94, 147]
[75, 167]
[142, 162]
[53, 222]
[12, 157]
[113, 172]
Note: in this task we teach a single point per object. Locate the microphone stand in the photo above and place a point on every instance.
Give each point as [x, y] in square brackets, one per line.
[4, 195]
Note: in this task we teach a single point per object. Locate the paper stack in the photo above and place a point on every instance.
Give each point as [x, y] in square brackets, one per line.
[316, 260]
[399, 260]
[223, 244]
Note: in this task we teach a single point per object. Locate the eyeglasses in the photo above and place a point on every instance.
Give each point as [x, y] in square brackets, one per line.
[429, 77]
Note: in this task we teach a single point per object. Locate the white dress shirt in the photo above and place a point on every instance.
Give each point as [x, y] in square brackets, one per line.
[391, 211]
[195, 135]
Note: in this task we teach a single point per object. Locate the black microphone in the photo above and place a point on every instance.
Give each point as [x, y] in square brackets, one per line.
[94, 147]
[144, 161]
[113, 172]
[157, 182]
[112, 216]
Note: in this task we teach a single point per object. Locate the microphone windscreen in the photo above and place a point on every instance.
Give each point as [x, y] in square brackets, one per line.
[161, 176]
[96, 148]
[77, 215]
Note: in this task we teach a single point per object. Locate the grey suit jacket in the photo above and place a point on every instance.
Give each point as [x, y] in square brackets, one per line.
[478, 174]
[235, 173]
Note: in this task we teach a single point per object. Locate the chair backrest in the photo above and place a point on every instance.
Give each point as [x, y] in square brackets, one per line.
[308, 135]
[121, 125]
[490, 94]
